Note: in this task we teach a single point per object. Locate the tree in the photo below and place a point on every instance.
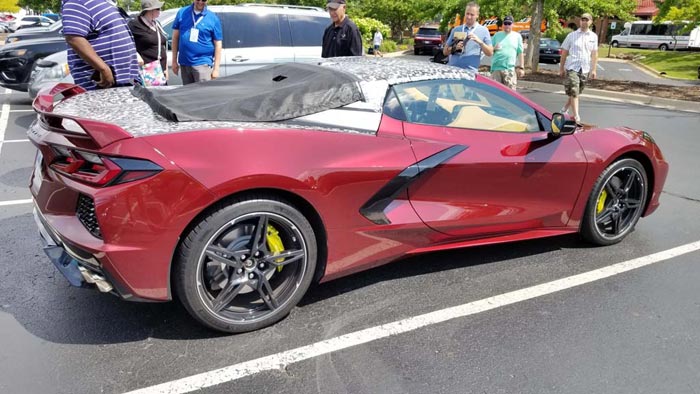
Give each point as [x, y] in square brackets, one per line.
[398, 15]
[679, 10]
[8, 6]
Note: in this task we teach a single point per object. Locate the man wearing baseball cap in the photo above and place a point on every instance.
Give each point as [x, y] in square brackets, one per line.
[579, 59]
[507, 62]
[341, 37]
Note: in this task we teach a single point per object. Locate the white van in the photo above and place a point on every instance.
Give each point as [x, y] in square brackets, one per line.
[255, 35]
[645, 34]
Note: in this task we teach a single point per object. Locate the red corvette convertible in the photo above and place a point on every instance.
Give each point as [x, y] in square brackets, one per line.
[237, 194]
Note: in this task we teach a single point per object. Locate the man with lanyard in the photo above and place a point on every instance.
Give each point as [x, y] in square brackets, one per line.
[467, 42]
[101, 51]
[507, 62]
[579, 59]
[196, 45]
[341, 37]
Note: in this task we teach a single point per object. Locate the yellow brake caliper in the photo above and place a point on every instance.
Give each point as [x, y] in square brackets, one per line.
[274, 243]
[601, 202]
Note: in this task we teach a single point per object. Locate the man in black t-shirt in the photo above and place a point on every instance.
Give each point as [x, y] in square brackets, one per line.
[342, 37]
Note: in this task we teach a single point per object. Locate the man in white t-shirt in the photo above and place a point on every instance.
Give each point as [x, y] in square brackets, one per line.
[377, 42]
[579, 59]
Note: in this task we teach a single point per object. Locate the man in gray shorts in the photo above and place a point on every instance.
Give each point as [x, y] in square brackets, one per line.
[197, 36]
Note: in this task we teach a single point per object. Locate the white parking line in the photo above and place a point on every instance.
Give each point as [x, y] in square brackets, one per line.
[22, 110]
[15, 202]
[280, 360]
[13, 141]
[4, 118]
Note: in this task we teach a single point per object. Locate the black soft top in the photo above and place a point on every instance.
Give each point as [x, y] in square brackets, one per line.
[267, 94]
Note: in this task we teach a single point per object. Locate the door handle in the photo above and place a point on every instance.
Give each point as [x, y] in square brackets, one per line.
[239, 59]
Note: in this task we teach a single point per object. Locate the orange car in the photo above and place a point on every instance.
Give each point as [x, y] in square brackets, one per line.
[491, 24]
[524, 24]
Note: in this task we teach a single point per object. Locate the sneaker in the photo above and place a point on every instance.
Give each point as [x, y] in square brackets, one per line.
[577, 119]
[565, 111]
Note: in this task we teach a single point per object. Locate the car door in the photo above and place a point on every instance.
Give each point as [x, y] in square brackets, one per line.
[306, 32]
[490, 166]
[251, 40]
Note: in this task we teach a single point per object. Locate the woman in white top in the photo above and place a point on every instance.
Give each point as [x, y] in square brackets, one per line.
[377, 41]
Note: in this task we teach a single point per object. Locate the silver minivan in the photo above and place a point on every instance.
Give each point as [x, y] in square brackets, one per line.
[254, 35]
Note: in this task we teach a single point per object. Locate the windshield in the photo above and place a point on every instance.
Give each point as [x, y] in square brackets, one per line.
[426, 31]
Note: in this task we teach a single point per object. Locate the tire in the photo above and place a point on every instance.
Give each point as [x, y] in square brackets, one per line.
[615, 44]
[232, 277]
[416, 51]
[663, 47]
[616, 203]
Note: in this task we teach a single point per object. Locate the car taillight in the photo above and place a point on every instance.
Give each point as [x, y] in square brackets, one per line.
[98, 170]
[559, 51]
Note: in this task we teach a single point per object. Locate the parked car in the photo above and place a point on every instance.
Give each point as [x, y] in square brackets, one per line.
[54, 30]
[361, 158]
[49, 71]
[17, 60]
[550, 50]
[254, 35]
[425, 39]
[524, 24]
[30, 21]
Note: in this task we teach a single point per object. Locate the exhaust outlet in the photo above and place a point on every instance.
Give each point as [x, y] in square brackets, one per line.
[96, 279]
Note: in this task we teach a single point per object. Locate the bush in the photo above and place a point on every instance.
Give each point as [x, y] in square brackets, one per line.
[558, 34]
[388, 46]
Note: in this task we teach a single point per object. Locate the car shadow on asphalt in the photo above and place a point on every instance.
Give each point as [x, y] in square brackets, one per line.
[47, 307]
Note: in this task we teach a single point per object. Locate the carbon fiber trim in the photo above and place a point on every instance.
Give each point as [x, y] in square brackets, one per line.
[373, 209]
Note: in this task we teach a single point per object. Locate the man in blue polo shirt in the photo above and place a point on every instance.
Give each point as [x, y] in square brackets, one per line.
[197, 39]
[469, 41]
[101, 51]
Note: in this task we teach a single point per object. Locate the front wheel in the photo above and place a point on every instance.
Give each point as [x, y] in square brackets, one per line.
[663, 47]
[246, 265]
[615, 44]
[616, 203]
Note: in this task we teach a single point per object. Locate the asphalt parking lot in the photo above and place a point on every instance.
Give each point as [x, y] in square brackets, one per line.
[618, 319]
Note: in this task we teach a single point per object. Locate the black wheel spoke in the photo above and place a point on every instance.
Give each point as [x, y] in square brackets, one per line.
[289, 256]
[227, 295]
[632, 203]
[612, 191]
[604, 217]
[233, 258]
[616, 221]
[266, 293]
[260, 236]
[630, 182]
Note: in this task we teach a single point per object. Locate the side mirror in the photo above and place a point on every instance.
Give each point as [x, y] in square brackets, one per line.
[561, 125]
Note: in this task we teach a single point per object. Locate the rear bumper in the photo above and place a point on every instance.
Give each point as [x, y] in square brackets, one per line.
[78, 267]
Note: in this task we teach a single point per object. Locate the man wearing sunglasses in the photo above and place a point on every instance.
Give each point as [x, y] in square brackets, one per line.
[507, 62]
[579, 59]
[197, 36]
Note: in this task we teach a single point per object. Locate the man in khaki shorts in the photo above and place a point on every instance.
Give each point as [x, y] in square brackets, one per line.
[579, 59]
[507, 61]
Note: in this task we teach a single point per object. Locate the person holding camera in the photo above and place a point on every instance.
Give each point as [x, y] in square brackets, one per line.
[507, 63]
[468, 42]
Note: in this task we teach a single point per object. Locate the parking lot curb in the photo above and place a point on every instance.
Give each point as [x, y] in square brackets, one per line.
[629, 98]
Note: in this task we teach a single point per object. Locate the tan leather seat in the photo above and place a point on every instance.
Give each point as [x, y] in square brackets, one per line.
[473, 117]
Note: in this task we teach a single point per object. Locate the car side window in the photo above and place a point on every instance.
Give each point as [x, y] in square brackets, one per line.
[248, 30]
[307, 31]
[465, 104]
[392, 106]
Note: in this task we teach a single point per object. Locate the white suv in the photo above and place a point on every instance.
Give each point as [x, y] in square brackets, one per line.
[255, 35]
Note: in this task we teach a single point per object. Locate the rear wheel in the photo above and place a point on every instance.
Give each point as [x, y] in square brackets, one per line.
[246, 265]
[416, 51]
[616, 203]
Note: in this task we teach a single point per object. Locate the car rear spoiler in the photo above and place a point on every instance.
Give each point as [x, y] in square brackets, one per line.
[73, 127]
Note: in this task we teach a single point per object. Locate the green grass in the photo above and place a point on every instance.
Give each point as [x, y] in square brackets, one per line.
[676, 64]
